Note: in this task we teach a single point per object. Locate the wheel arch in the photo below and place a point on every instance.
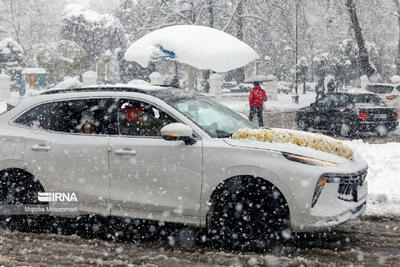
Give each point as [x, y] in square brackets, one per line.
[28, 177]
[226, 182]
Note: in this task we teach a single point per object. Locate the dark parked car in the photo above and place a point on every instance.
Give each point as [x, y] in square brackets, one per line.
[348, 114]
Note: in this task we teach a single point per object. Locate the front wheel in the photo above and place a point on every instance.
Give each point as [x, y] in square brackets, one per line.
[248, 213]
[19, 188]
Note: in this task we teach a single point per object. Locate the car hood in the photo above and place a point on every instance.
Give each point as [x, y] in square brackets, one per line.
[289, 148]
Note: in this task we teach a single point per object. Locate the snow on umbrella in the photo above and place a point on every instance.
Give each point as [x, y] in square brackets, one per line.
[258, 78]
[199, 46]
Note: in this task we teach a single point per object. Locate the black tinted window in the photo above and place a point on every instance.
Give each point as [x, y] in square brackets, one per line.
[341, 100]
[37, 117]
[325, 102]
[138, 118]
[368, 99]
[91, 116]
[88, 116]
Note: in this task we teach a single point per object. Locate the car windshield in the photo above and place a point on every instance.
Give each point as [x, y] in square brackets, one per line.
[369, 99]
[380, 89]
[215, 119]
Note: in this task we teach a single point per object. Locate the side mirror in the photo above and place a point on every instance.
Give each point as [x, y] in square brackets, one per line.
[178, 131]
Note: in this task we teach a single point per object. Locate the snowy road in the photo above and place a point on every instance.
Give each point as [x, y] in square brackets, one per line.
[369, 241]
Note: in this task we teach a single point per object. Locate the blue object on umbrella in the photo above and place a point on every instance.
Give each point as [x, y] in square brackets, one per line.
[167, 53]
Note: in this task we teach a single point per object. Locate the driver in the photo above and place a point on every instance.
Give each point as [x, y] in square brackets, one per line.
[145, 124]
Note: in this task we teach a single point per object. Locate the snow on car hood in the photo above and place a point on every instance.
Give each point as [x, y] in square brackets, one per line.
[288, 148]
[199, 46]
[297, 142]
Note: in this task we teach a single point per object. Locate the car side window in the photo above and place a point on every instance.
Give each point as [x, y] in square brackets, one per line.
[84, 116]
[398, 89]
[324, 102]
[341, 100]
[137, 118]
[37, 117]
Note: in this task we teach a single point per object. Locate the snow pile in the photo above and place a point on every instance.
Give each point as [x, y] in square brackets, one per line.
[383, 176]
[69, 82]
[317, 142]
[8, 44]
[198, 46]
[75, 10]
[395, 79]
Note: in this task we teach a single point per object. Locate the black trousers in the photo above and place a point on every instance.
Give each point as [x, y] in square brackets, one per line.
[258, 111]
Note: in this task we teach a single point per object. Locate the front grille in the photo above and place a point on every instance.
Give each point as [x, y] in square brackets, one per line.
[348, 185]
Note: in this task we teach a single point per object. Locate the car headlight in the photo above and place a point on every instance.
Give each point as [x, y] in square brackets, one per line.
[308, 160]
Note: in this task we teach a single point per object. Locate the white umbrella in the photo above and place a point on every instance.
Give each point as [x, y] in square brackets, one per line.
[199, 46]
[258, 78]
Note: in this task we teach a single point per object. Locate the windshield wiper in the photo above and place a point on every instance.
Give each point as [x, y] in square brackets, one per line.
[222, 134]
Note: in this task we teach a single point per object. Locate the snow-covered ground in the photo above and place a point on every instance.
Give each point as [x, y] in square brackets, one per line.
[383, 176]
[284, 103]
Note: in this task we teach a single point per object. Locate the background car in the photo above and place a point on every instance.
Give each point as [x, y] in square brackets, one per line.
[348, 114]
[389, 93]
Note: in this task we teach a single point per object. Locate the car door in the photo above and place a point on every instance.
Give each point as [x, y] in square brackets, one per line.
[322, 112]
[341, 110]
[152, 178]
[66, 159]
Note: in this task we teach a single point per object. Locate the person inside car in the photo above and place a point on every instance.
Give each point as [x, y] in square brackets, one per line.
[145, 124]
[87, 124]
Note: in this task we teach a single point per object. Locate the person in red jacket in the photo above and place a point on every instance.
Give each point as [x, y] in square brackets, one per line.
[256, 100]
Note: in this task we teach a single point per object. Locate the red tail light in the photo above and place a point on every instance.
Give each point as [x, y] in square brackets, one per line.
[363, 116]
[392, 97]
[395, 115]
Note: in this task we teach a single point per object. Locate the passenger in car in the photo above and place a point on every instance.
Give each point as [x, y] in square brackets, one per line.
[145, 124]
[87, 124]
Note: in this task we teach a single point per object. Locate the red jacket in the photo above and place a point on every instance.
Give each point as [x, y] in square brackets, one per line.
[257, 97]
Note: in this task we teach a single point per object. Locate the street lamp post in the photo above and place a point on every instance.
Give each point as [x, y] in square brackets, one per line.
[296, 52]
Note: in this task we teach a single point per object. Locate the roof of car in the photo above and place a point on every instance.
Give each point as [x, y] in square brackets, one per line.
[166, 94]
[106, 88]
[383, 84]
[354, 92]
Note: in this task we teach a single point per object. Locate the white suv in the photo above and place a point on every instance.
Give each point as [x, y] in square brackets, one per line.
[165, 154]
[390, 93]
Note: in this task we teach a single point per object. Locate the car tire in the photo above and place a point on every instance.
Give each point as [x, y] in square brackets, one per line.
[302, 125]
[382, 131]
[248, 213]
[18, 187]
[346, 130]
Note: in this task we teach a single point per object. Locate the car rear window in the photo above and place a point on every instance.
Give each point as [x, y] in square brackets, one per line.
[380, 89]
[368, 99]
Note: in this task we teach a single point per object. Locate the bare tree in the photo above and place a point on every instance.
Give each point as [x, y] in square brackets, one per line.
[397, 4]
[365, 64]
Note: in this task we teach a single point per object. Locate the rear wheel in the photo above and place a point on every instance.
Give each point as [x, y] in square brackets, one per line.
[302, 125]
[382, 131]
[346, 130]
[248, 213]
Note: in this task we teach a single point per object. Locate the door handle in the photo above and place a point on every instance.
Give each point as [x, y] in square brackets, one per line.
[125, 151]
[40, 147]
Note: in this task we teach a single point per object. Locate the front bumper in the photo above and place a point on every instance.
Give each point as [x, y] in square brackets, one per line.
[336, 204]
